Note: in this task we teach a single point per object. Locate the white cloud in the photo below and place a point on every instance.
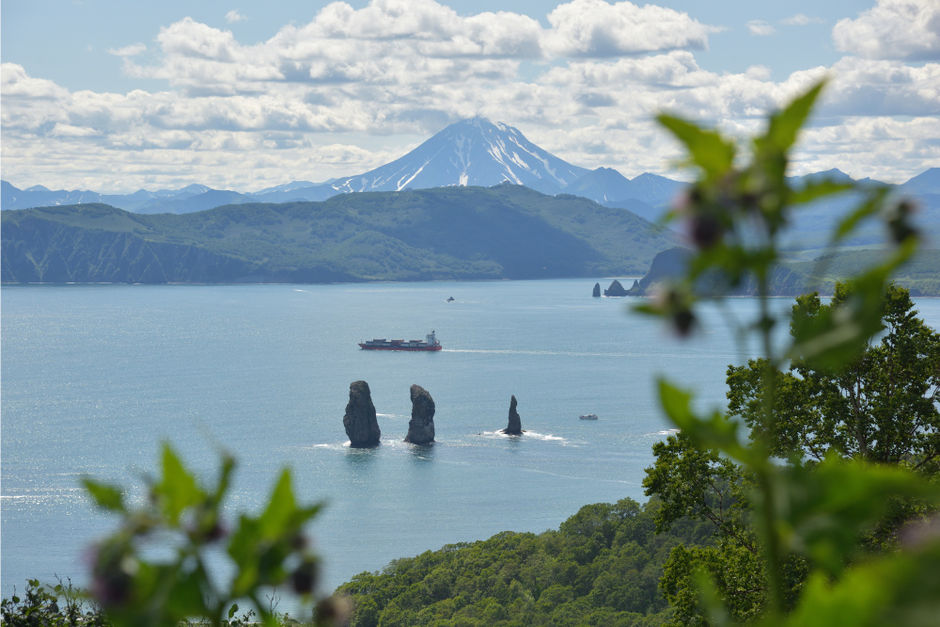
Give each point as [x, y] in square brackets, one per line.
[15, 83]
[355, 88]
[128, 51]
[234, 16]
[760, 28]
[801, 19]
[893, 29]
[862, 87]
[594, 28]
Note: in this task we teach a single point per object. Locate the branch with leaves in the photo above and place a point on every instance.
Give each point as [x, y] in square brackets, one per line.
[183, 519]
[808, 518]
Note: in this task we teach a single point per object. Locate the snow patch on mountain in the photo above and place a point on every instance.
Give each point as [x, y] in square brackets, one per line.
[469, 152]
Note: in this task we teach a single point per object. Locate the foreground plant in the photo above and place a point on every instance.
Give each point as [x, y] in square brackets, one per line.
[154, 569]
[794, 502]
[58, 605]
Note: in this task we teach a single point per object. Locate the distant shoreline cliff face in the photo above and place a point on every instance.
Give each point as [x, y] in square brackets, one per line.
[503, 232]
[798, 277]
[671, 264]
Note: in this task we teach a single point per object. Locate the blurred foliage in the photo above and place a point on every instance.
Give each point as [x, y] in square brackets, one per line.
[153, 570]
[810, 510]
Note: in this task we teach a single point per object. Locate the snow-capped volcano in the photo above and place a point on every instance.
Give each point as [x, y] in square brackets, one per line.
[469, 152]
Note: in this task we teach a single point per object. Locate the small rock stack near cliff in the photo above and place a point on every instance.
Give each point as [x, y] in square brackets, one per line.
[360, 422]
[615, 289]
[421, 426]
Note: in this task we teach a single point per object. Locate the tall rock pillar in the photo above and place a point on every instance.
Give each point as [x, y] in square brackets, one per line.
[421, 426]
[361, 425]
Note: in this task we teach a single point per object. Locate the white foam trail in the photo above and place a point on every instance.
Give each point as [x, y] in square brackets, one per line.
[532, 435]
[332, 446]
[493, 351]
[487, 351]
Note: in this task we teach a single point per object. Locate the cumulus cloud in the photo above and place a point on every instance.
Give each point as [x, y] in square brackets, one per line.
[761, 28]
[355, 88]
[594, 28]
[234, 16]
[893, 29]
[863, 87]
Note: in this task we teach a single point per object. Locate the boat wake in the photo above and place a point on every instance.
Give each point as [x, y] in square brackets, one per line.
[526, 434]
[487, 351]
[392, 416]
[46, 496]
[665, 432]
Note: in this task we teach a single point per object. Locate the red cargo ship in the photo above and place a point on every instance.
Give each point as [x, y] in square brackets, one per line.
[430, 343]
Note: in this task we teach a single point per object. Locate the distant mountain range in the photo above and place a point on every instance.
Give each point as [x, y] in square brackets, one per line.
[501, 232]
[476, 152]
[472, 152]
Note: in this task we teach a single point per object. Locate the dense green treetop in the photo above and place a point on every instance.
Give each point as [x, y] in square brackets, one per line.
[881, 407]
[601, 567]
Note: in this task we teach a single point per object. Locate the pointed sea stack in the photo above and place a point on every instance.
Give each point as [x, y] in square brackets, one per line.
[515, 422]
[597, 290]
[361, 425]
[421, 426]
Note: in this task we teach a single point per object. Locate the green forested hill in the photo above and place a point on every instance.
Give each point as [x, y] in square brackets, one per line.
[447, 233]
[601, 567]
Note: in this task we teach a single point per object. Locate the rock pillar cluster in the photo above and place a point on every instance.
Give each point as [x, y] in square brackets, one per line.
[363, 428]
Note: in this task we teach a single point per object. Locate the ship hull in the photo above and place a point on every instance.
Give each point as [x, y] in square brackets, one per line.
[371, 347]
[430, 343]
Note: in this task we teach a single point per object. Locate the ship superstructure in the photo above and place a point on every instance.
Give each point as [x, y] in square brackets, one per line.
[429, 343]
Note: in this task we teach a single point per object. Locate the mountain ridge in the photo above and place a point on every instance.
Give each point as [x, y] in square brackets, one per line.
[473, 152]
[501, 232]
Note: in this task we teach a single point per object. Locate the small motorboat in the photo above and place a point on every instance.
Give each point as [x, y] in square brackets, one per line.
[588, 417]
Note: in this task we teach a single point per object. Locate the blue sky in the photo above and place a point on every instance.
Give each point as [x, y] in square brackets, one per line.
[116, 96]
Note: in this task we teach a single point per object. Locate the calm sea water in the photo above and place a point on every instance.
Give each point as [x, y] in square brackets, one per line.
[95, 378]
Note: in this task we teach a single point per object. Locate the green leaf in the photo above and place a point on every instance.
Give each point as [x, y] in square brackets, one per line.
[178, 488]
[785, 125]
[281, 508]
[836, 335]
[716, 432]
[815, 190]
[831, 504]
[232, 611]
[707, 149]
[185, 596]
[896, 589]
[106, 496]
[870, 206]
[244, 547]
